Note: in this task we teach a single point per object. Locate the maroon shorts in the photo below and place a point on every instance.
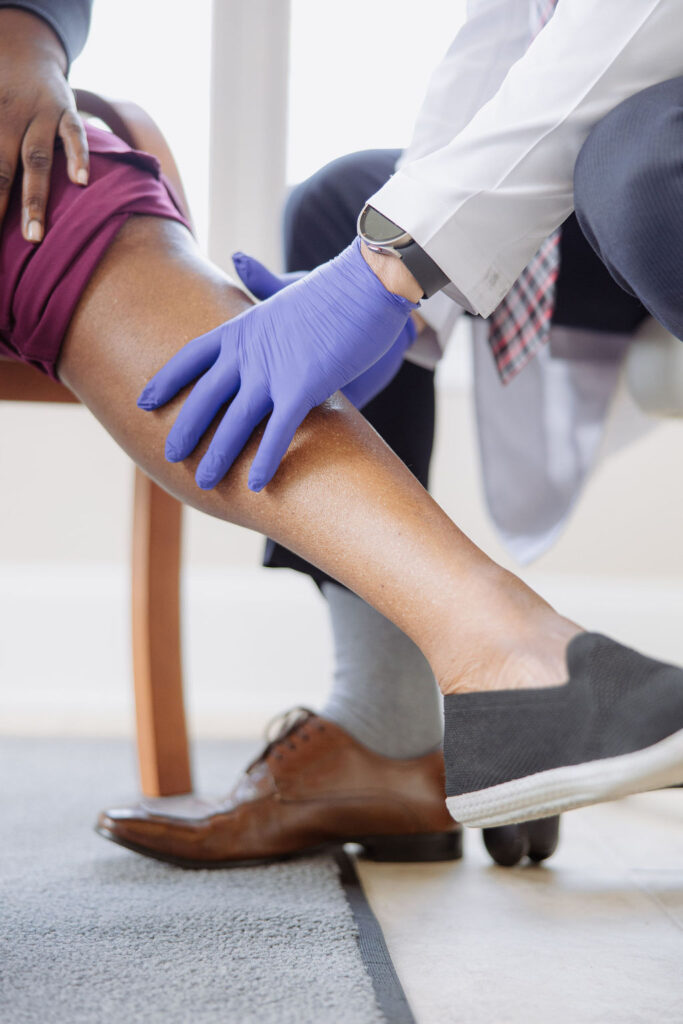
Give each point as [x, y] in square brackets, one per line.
[40, 285]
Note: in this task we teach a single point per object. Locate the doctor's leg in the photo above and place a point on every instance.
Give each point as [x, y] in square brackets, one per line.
[383, 691]
[628, 187]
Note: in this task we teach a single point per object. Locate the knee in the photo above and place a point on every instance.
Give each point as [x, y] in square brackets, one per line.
[628, 177]
[317, 223]
[321, 212]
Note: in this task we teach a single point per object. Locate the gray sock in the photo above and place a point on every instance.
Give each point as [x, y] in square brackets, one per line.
[384, 692]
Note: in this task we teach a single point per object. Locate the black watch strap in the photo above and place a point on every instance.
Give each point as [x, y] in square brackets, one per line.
[384, 235]
[426, 272]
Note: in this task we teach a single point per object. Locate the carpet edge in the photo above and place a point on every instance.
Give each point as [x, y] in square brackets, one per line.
[391, 999]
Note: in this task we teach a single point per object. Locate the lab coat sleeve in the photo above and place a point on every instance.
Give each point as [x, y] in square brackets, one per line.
[483, 202]
[495, 34]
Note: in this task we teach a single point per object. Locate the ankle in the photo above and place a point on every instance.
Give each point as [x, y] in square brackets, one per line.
[518, 668]
[522, 645]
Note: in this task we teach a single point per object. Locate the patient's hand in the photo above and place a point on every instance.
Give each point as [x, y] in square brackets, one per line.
[36, 105]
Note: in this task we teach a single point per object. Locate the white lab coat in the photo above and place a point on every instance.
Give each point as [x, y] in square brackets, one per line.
[486, 178]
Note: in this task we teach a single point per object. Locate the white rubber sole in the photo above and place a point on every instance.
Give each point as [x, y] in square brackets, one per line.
[564, 789]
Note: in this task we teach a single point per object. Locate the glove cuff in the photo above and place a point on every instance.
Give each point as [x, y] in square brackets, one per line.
[365, 271]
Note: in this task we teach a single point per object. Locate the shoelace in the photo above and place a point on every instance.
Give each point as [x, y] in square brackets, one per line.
[280, 728]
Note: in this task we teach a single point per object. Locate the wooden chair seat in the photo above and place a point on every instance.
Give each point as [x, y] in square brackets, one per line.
[163, 751]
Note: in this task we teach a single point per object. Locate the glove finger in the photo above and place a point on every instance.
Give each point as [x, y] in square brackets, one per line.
[280, 429]
[409, 332]
[211, 391]
[233, 432]
[261, 281]
[182, 368]
[369, 384]
[366, 387]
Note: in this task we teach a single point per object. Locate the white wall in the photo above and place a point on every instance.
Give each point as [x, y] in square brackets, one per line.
[358, 72]
[157, 53]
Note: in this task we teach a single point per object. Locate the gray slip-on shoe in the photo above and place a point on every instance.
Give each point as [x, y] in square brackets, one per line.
[615, 728]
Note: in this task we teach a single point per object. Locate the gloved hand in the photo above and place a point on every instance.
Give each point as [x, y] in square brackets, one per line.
[287, 354]
[263, 283]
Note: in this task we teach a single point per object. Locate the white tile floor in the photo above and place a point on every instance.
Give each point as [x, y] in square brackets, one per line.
[593, 937]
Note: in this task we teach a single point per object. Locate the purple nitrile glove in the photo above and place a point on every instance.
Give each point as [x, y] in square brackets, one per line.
[263, 283]
[283, 357]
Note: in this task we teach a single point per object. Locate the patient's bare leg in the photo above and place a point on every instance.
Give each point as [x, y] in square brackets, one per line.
[341, 498]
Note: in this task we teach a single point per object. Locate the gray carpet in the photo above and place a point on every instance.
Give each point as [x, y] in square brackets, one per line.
[92, 933]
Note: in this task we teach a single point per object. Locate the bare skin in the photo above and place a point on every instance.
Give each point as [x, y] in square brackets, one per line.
[36, 105]
[341, 498]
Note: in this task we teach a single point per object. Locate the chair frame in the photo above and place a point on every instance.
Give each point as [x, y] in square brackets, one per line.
[162, 741]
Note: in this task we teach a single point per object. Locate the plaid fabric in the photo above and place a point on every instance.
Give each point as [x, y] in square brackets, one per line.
[521, 323]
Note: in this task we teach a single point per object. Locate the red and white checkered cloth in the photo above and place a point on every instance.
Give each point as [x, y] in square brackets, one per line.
[520, 325]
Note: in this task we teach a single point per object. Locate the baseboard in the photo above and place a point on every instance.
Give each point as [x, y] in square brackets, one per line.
[254, 642]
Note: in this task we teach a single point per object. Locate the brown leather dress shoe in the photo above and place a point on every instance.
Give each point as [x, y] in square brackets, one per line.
[313, 788]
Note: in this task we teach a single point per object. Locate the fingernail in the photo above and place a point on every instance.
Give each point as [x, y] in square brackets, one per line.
[237, 257]
[204, 481]
[171, 454]
[82, 176]
[34, 231]
[255, 484]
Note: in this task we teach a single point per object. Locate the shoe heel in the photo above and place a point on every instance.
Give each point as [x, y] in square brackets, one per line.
[431, 846]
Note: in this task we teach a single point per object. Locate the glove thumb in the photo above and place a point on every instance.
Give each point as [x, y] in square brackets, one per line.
[260, 281]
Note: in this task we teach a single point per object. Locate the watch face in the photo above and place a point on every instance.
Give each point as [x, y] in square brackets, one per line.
[378, 228]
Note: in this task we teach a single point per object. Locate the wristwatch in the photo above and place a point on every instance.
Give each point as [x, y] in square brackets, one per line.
[381, 235]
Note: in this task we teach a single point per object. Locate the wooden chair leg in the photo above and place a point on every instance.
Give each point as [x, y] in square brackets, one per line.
[161, 728]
